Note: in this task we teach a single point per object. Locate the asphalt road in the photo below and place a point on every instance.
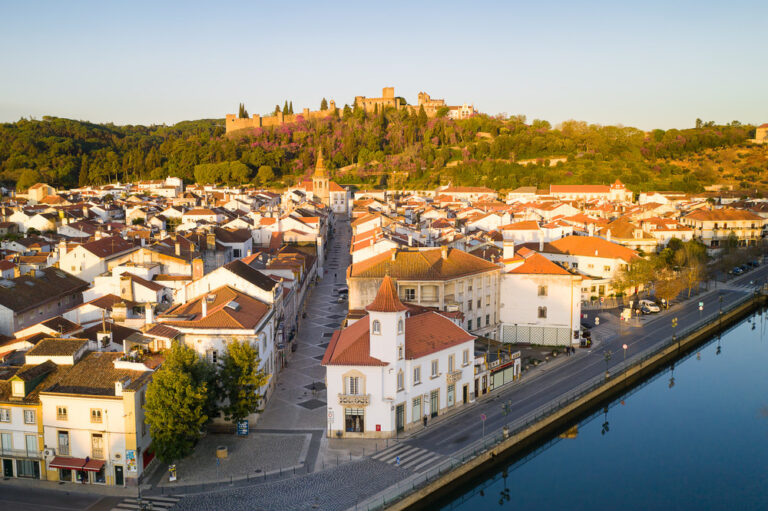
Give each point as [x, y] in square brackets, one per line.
[27, 498]
[447, 437]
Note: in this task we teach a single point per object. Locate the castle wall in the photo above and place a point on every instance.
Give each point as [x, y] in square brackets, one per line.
[233, 123]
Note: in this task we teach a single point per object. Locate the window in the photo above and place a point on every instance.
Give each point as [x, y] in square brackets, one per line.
[18, 389]
[469, 305]
[542, 290]
[465, 357]
[61, 413]
[487, 299]
[353, 385]
[400, 326]
[354, 420]
[487, 319]
[400, 380]
[400, 352]
[434, 368]
[606, 268]
[416, 375]
[451, 362]
[479, 303]
[97, 446]
[376, 326]
[96, 415]
[416, 409]
[451, 395]
[469, 325]
[30, 417]
[63, 442]
[214, 356]
[410, 294]
[542, 312]
[6, 441]
[5, 415]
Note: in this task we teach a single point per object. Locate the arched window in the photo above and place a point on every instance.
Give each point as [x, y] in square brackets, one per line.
[400, 326]
[376, 327]
[400, 380]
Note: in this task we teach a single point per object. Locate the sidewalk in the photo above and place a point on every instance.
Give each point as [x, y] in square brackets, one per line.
[90, 489]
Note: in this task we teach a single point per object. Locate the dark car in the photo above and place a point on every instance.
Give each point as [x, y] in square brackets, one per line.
[754, 263]
[744, 267]
[737, 271]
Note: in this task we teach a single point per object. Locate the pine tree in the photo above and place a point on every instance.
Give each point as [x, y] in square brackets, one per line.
[242, 112]
[290, 108]
[82, 179]
[277, 109]
[376, 109]
[286, 111]
[324, 104]
[422, 116]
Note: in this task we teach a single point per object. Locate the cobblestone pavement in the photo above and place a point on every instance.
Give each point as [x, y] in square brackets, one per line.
[334, 489]
[247, 456]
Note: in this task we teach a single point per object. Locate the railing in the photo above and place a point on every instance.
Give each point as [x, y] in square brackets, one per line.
[519, 425]
[453, 377]
[355, 399]
[20, 453]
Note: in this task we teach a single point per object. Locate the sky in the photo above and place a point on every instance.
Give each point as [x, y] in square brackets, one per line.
[651, 64]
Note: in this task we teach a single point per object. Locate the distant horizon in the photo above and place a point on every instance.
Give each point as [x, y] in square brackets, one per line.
[655, 65]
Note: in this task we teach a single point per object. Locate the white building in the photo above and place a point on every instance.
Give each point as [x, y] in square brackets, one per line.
[389, 371]
[541, 303]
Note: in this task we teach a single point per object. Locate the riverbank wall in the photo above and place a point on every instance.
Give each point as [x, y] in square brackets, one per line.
[521, 440]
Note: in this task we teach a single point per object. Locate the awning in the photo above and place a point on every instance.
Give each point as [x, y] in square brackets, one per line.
[66, 462]
[94, 465]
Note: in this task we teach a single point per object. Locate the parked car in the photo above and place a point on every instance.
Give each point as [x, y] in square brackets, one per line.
[737, 271]
[754, 263]
[744, 267]
[650, 305]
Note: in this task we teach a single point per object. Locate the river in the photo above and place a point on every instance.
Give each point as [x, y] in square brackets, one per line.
[695, 436]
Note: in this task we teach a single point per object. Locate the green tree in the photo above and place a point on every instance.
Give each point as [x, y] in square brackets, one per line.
[82, 178]
[324, 104]
[28, 178]
[290, 108]
[241, 380]
[177, 402]
[286, 110]
[422, 116]
[265, 174]
[443, 111]
[242, 112]
[277, 109]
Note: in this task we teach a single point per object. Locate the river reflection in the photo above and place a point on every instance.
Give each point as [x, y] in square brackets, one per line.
[693, 437]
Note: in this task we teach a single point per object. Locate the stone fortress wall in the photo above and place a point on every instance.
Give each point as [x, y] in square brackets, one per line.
[387, 100]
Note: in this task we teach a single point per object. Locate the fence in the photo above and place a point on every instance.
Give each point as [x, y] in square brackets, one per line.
[417, 481]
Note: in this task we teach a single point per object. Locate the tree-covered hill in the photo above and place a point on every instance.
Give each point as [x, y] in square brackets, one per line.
[392, 149]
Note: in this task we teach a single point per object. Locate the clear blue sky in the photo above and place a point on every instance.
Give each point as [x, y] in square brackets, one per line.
[646, 64]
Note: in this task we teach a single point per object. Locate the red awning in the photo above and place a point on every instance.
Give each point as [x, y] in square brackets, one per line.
[94, 465]
[66, 462]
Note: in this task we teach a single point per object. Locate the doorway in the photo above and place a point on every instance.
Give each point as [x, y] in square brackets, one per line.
[400, 417]
[7, 468]
[118, 475]
[434, 403]
[465, 393]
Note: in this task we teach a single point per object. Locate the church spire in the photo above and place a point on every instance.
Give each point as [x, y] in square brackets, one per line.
[320, 166]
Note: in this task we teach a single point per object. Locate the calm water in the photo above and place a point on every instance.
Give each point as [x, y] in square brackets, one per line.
[701, 444]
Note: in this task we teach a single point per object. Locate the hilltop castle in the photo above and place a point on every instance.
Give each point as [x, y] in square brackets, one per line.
[387, 100]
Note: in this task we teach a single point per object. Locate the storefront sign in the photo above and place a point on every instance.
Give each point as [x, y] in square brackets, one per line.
[242, 428]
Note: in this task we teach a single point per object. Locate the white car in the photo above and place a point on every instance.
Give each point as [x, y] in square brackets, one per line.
[650, 305]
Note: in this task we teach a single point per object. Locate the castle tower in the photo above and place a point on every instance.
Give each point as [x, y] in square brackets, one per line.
[320, 182]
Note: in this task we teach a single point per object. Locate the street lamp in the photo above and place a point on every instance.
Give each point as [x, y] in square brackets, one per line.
[674, 331]
[624, 363]
[607, 358]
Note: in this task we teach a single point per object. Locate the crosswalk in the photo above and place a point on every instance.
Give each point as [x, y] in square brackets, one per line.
[155, 503]
[410, 457]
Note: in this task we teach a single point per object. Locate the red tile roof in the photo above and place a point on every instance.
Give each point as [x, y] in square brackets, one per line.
[539, 265]
[433, 264]
[386, 299]
[593, 247]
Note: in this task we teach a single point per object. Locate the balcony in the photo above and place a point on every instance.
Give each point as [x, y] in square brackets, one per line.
[453, 377]
[354, 399]
[19, 453]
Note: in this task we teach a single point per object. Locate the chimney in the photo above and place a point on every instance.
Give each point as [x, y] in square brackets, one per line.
[205, 305]
[541, 244]
[178, 249]
[591, 229]
[210, 241]
[410, 240]
[608, 235]
[444, 252]
[508, 249]
[85, 210]
[149, 314]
